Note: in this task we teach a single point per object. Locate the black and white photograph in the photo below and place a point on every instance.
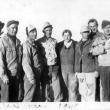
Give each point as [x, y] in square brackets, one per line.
[54, 54]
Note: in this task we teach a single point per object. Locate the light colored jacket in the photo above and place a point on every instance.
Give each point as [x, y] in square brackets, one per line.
[101, 47]
[31, 60]
[9, 56]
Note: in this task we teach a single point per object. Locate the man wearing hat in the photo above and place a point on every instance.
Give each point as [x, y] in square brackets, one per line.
[10, 51]
[101, 48]
[50, 75]
[85, 67]
[31, 63]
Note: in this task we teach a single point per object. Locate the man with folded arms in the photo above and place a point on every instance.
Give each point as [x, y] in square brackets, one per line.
[101, 48]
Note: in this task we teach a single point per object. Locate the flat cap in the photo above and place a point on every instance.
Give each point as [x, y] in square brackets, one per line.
[105, 23]
[12, 22]
[84, 29]
[47, 24]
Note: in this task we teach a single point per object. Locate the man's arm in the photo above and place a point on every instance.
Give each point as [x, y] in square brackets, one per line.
[3, 74]
[26, 63]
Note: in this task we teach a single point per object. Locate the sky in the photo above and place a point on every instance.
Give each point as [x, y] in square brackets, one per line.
[62, 14]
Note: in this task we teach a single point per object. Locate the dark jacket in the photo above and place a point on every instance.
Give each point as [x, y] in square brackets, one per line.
[84, 61]
[46, 73]
[59, 48]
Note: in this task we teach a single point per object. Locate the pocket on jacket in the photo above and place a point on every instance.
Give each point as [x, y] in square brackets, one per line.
[10, 53]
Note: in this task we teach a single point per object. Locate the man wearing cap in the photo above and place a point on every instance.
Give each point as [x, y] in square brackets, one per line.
[10, 50]
[66, 54]
[50, 75]
[101, 48]
[85, 67]
[31, 63]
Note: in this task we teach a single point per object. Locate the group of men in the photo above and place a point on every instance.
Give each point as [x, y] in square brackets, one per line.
[45, 70]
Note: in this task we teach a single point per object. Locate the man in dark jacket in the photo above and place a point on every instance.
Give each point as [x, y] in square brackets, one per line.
[85, 66]
[51, 90]
[66, 50]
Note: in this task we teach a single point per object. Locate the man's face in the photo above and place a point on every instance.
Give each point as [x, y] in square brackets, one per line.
[32, 35]
[93, 27]
[48, 32]
[67, 37]
[85, 35]
[12, 29]
[107, 30]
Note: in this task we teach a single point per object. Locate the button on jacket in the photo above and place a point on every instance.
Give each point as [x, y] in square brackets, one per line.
[9, 53]
[84, 61]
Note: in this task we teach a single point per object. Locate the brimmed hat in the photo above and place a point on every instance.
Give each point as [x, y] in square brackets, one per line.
[30, 28]
[12, 22]
[105, 23]
[84, 29]
[46, 24]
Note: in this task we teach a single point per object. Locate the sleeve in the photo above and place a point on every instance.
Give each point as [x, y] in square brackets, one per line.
[77, 66]
[26, 62]
[2, 56]
[107, 45]
[97, 47]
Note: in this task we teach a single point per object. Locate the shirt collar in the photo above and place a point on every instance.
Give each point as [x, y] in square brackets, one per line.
[68, 44]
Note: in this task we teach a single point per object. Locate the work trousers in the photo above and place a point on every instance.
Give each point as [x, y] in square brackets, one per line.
[10, 91]
[71, 84]
[87, 86]
[51, 89]
[31, 91]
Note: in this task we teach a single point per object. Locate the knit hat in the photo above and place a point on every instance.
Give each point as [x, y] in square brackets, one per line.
[46, 24]
[105, 23]
[12, 22]
[84, 29]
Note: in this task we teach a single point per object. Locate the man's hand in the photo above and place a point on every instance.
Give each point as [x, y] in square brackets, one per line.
[5, 79]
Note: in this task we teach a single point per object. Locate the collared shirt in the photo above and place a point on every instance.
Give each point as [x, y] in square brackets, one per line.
[49, 50]
[9, 56]
[68, 44]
